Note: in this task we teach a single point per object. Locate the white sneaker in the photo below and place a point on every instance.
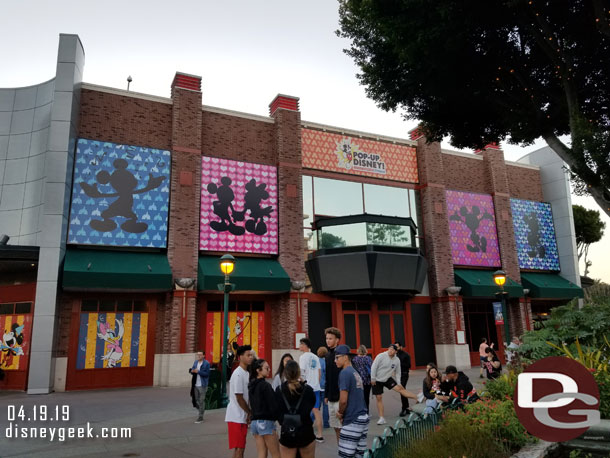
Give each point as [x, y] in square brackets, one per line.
[381, 421]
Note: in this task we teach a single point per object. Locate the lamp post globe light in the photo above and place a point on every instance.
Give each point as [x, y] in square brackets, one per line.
[227, 264]
[500, 280]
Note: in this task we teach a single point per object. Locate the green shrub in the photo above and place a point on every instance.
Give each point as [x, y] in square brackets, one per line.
[503, 387]
[603, 383]
[457, 437]
[498, 419]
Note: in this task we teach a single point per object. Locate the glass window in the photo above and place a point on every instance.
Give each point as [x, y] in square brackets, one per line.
[386, 200]
[23, 307]
[385, 330]
[415, 210]
[106, 306]
[6, 309]
[140, 306]
[89, 306]
[243, 306]
[123, 306]
[349, 320]
[311, 241]
[307, 201]
[364, 322]
[388, 234]
[341, 236]
[337, 198]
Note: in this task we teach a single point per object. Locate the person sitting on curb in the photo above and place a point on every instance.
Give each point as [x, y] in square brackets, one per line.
[384, 373]
[456, 385]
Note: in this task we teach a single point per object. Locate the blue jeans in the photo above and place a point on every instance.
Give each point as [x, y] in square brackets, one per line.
[431, 405]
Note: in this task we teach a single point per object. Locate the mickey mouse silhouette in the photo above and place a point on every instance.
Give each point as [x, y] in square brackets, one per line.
[221, 208]
[472, 221]
[533, 237]
[125, 185]
[254, 195]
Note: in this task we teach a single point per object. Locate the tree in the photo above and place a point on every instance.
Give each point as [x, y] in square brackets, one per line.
[589, 229]
[481, 72]
[386, 234]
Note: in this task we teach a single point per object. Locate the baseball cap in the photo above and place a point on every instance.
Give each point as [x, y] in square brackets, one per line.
[342, 350]
[393, 346]
[451, 370]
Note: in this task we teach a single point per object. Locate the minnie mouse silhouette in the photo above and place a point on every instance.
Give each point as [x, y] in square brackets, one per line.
[125, 185]
[221, 208]
[472, 222]
[254, 195]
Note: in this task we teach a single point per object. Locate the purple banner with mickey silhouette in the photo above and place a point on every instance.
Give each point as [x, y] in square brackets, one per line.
[472, 224]
[238, 207]
[120, 195]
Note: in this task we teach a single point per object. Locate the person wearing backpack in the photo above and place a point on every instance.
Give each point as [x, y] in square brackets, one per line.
[295, 400]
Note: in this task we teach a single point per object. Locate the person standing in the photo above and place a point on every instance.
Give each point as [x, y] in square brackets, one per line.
[362, 364]
[200, 369]
[493, 366]
[352, 409]
[322, 352]
[512, 349]
[295, 399]
[331, 386]
[311, 372]
[482, 354]
[279, 374]
[405, 366]
[264, 410]
[384, 373]
[238, 412]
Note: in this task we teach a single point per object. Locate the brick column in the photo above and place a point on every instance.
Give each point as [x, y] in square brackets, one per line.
[183, 246]
[447, 312]
[284, 110]
[493, 158]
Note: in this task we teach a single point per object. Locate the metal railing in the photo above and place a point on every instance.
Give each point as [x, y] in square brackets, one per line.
[402, 435]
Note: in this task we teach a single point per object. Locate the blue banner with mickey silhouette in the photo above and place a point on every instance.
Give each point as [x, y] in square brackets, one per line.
[535, 235]
[120, 195]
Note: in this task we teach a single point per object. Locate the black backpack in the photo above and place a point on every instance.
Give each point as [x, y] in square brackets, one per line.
[291, 426]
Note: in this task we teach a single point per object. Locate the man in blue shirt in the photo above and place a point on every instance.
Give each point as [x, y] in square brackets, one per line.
[202, 368]
[352, 408]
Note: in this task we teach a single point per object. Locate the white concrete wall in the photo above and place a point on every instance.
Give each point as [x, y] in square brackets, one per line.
[173, 369]
[556, 190]
[452, 355]
[61, 370]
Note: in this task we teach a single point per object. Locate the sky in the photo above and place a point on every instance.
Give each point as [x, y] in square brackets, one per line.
[246, 51]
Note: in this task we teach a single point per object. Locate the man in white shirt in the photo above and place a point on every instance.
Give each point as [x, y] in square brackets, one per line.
[311, 371]
[385, 371]
[238, 411]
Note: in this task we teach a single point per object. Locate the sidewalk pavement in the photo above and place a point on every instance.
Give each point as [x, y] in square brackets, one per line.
[161, 422]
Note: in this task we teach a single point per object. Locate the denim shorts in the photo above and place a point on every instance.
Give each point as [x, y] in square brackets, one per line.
[262, 427]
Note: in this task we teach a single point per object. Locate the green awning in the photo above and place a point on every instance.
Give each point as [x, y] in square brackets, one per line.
[480, 283]
[250, 274]
[550, 286]
[116, 270]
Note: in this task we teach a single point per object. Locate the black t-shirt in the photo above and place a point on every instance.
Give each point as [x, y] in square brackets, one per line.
[263, 403]
[492, 372]
[331, 389]
[306, 435]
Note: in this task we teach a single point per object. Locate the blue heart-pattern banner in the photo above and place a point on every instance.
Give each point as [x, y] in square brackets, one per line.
[120, 195]
[535, 235]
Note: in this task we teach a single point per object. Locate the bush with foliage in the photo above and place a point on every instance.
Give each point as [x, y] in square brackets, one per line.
[503, 387]
[456, 437]
[603, 382]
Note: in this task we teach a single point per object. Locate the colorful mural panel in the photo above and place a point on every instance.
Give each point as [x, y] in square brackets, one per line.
[108, 340]
[472, 224]
[239, 211]
[120, 195]
[15, 339]
[246, 328]
[535, 235]
[358, 156]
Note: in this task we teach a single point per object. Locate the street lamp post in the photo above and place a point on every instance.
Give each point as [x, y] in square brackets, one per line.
[500, 279]
[227, 263]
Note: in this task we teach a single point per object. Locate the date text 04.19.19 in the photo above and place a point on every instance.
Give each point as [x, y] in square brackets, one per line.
[38, 413]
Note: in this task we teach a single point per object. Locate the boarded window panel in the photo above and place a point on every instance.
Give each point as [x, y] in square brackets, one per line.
[385, 330]
[123, 306]
[107, 306]
[399, 329]
[6, 309]
[320, 317]
[89, 306]
[364, 322]
[349, 320]
[23, 308]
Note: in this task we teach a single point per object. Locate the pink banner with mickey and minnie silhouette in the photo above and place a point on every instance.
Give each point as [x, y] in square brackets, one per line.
[238, 207]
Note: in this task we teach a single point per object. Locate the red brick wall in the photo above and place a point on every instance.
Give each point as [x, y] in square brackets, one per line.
[62, 335]
[129, 120]
[230, 137]
[465, 174]
[524, 183]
